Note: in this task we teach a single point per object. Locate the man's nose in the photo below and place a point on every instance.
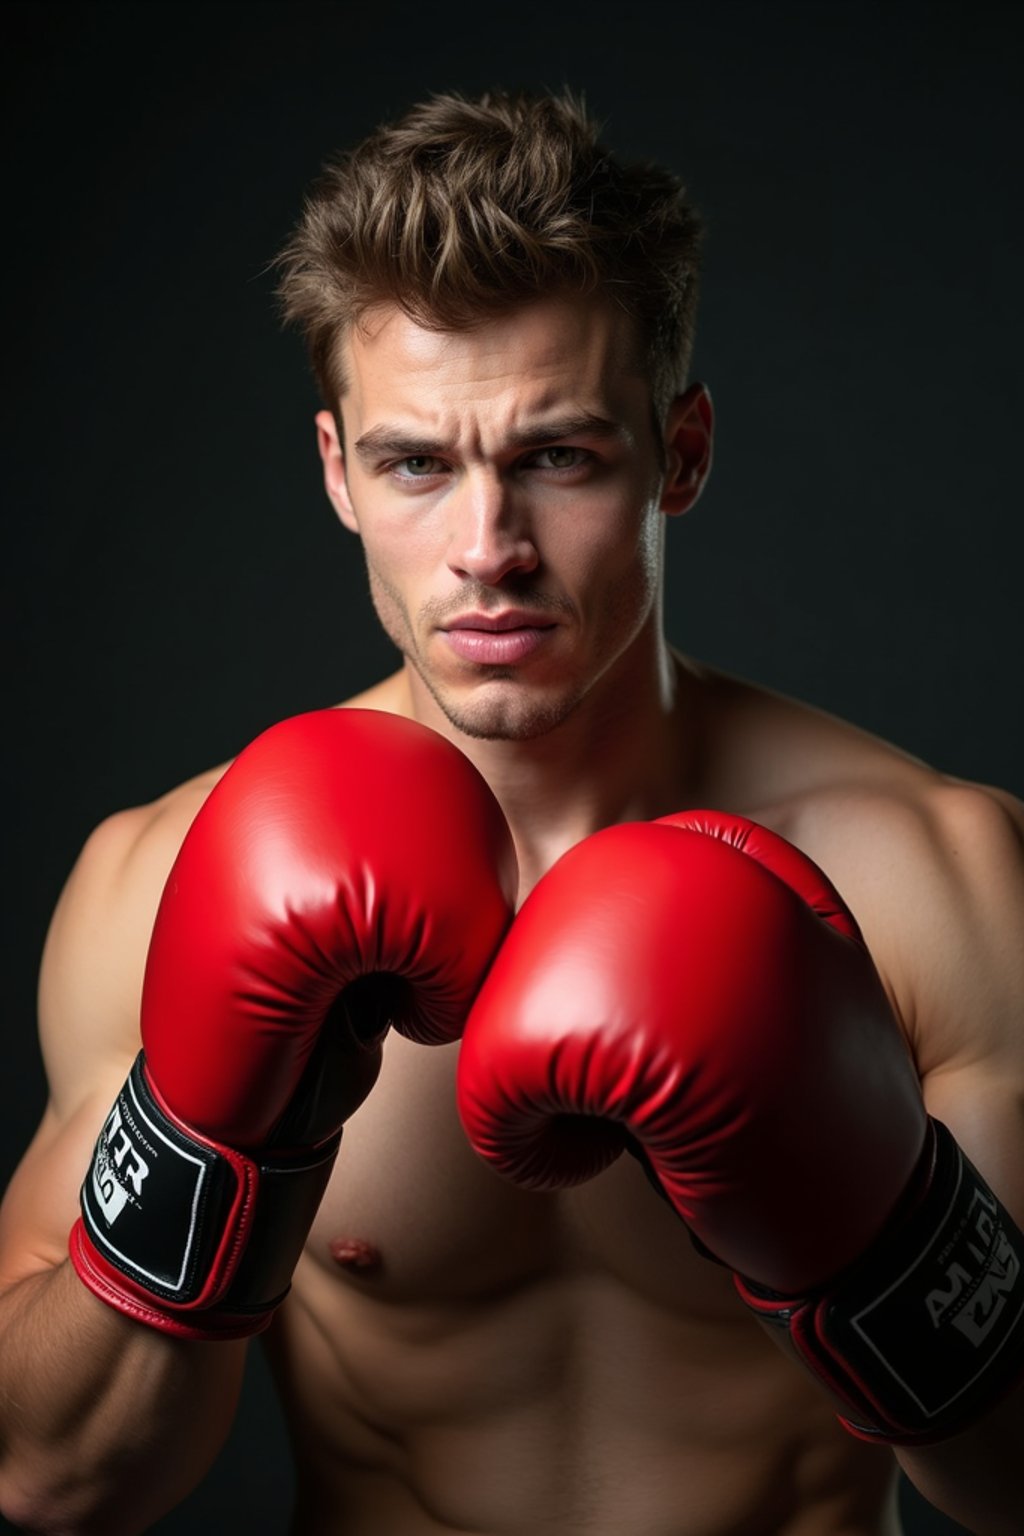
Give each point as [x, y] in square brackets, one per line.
[490, 535]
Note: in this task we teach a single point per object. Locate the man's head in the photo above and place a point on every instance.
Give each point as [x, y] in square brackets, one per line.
[500, 316]
[462, 211]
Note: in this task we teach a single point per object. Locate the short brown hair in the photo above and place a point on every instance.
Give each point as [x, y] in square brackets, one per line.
[462, 209]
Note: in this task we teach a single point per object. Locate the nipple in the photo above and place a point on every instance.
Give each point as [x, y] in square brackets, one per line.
[354, 1254]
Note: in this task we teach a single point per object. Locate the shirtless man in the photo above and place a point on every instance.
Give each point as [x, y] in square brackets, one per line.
[500, 318]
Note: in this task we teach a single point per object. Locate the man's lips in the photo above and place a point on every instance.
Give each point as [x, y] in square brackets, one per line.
[497, 638]
[498, 623]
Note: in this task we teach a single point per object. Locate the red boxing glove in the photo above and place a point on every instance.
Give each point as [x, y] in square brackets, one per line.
[350, 870]
[697, 985]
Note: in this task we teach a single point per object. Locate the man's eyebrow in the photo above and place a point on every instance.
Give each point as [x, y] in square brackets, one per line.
[385, 442]
[553, 429]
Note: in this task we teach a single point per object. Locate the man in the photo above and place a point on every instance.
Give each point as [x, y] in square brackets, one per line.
[500, 317]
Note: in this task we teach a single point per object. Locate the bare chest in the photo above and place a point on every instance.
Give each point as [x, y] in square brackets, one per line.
[509, 1361]
[412, 1216]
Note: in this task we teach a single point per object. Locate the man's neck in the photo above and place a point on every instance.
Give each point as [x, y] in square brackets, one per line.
[626, 752]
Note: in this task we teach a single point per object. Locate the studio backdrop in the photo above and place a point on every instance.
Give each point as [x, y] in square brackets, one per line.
[175, 579]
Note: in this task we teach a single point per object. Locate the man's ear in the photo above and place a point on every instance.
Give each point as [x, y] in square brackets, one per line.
[689, 434]
[332, 457]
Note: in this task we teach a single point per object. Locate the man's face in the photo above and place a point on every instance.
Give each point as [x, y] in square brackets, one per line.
[507, 486]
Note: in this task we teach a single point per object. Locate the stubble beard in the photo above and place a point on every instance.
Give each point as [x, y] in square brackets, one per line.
[512, 716]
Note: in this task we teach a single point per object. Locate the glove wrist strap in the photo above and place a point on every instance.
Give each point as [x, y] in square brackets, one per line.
[185, 1234]
[926, 1331]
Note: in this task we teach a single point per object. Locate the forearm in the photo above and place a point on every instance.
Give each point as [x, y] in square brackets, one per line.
[104, 1424]
[977, 1477]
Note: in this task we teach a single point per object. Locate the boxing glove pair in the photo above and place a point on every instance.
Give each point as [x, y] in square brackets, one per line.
[693, 989]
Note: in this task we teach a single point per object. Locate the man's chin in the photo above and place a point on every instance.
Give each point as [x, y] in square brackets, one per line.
[509, 714]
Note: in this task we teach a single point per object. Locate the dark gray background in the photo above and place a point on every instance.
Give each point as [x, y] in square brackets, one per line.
[174, 578]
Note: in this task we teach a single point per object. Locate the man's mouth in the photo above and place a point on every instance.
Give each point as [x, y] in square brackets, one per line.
[498, 639]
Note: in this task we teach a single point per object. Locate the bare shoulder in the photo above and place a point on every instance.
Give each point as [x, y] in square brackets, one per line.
[931, 866]
[93, 961]
[933, 869]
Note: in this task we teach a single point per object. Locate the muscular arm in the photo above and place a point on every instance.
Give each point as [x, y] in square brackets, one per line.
[350, 872]
[936, 879]
[103, 1424]
[963, 977]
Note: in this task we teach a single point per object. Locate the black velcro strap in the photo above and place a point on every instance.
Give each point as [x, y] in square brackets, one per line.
[156, 1202]
[938, 1331]
[927, 1331]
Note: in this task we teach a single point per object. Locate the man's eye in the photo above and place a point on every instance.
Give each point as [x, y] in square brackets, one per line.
[561, 457]
[417, 466]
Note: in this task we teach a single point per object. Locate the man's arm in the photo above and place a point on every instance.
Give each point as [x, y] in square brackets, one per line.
[351, 871]
[961, 988]
[103, 1425]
